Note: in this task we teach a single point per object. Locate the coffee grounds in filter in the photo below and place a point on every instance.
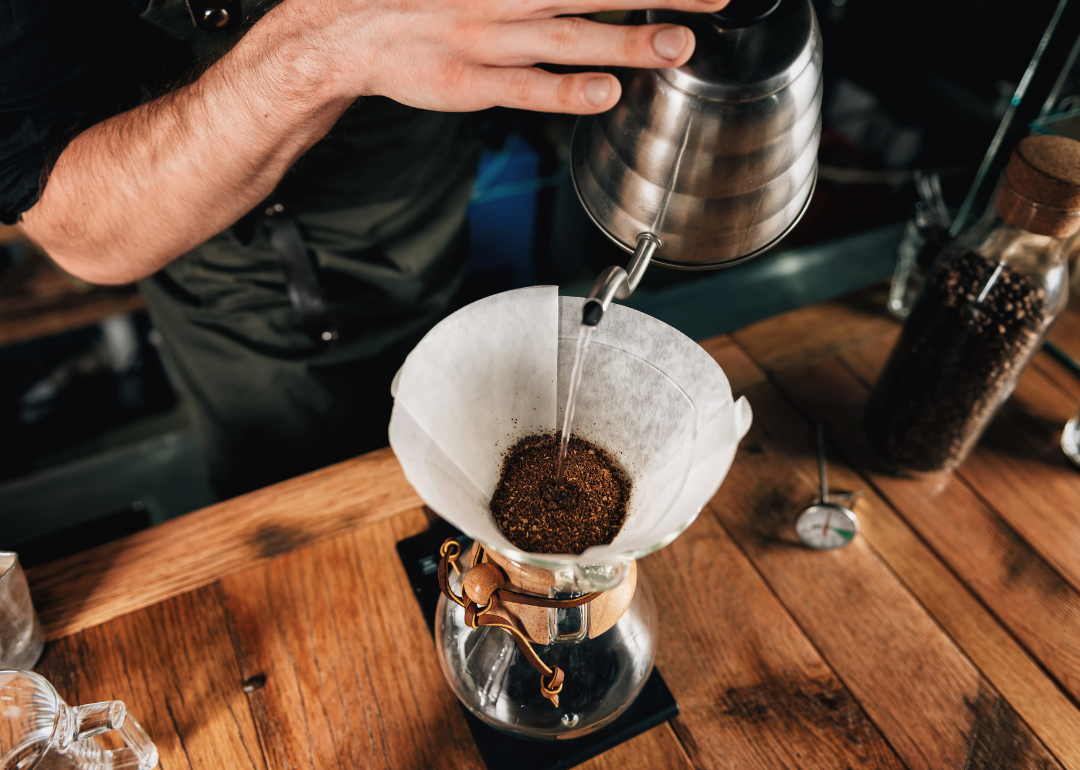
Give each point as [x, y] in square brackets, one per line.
[539, 517]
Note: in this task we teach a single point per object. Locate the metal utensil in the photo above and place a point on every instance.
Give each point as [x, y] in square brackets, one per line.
[715, 160]
[825, 525]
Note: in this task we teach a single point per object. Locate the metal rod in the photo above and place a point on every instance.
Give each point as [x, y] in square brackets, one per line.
[821, 461]
[1006, 121]
[1051, 99]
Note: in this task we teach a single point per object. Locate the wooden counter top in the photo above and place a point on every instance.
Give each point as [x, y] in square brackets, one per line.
[946, 636]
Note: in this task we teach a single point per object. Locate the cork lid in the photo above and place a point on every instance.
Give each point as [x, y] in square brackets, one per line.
[1040, 191]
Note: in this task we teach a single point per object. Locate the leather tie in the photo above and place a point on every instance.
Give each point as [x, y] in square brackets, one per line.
[301, 280]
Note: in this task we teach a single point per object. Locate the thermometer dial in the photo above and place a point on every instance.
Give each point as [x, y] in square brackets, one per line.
[826, 526]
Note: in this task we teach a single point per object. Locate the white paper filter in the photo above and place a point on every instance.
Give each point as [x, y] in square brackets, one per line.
[499, 370]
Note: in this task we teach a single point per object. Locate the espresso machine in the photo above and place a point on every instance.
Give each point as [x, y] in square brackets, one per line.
[709, 164]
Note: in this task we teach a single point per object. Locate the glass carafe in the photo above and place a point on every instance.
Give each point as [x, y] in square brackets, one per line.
[498, 371]
[38, 731]
[603, 672]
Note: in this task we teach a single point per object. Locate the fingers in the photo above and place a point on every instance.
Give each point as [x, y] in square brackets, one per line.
[587, 43]
[547, 8]
[527, 88]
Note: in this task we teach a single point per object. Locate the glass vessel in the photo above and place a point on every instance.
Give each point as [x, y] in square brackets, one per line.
[492, 677]
[924, 238]
[1070, 439]
[38, 731]
[21, 635]
[983, 313]
[498, 371]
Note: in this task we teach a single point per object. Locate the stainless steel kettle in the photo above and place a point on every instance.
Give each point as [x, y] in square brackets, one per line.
[708, 164]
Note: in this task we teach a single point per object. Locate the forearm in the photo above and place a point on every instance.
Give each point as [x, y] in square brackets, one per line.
[132, 193]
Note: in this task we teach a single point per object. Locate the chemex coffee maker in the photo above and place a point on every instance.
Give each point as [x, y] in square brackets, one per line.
[709, 164]
[697, 167]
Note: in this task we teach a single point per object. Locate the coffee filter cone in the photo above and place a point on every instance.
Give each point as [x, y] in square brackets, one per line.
[499, 369]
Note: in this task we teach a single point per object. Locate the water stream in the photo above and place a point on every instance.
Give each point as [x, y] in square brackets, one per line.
[576, 374]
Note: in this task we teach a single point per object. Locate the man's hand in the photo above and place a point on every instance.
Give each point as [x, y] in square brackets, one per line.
[464, 55]
[132, 193]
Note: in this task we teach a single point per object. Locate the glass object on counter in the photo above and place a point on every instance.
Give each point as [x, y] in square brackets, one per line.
[603, 673]
[38, 730]
[21, 637]
[1070, 439]
[926, 235]
[987, 305]
[650, 396]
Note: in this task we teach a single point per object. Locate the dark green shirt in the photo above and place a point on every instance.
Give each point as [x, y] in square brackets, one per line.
[381, 202]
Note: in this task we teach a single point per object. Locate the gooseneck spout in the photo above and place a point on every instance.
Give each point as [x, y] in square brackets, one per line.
[618, 283]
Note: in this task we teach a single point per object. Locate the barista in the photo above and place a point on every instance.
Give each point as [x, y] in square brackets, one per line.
[287, 182]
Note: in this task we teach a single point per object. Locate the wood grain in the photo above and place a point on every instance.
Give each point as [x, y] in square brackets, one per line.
[658, 749]
[930, 702]
[351, 675]
[200, 548]
[1066, 332]
[25, 324]
[740, 370]
[1034, 602]
[1019, 466]
[175, 667]
[1064, 378]
[1003, 661]
[817, 332]
[753, 691]
[975, 536]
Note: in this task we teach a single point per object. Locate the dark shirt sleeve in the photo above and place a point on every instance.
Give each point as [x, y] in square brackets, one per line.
[63, 67]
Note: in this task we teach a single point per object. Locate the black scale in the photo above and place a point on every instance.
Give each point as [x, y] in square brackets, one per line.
[654, 706]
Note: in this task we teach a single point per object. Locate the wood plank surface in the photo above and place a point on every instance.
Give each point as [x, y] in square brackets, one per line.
[753, 692]
[932, 704]
[73, 313]
[351, 677]
[817, 332]
[362, 657]
[1016, 585]
[943, 637]
[200, 548]
[350, 670]
[1033, 599]
[658, 748]
[1018, 465]
[175, 668]
[742, 671]
[1064, 378]
[1066, 332]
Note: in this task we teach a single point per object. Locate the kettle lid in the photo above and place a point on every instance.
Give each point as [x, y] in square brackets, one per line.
[743, 13]
[747, 50]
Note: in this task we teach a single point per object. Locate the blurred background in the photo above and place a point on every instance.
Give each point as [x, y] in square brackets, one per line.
[94, 439]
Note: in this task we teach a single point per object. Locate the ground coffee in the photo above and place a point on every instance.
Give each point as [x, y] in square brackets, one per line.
[956, 360]
[537, 516]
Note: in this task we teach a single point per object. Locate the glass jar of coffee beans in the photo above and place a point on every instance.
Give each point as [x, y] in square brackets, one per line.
[984, 310]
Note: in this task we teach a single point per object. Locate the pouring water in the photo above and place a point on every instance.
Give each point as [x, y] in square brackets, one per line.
[576, 375]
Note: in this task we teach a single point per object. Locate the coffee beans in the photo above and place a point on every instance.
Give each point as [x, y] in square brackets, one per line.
[959, 355]
[538, 516]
